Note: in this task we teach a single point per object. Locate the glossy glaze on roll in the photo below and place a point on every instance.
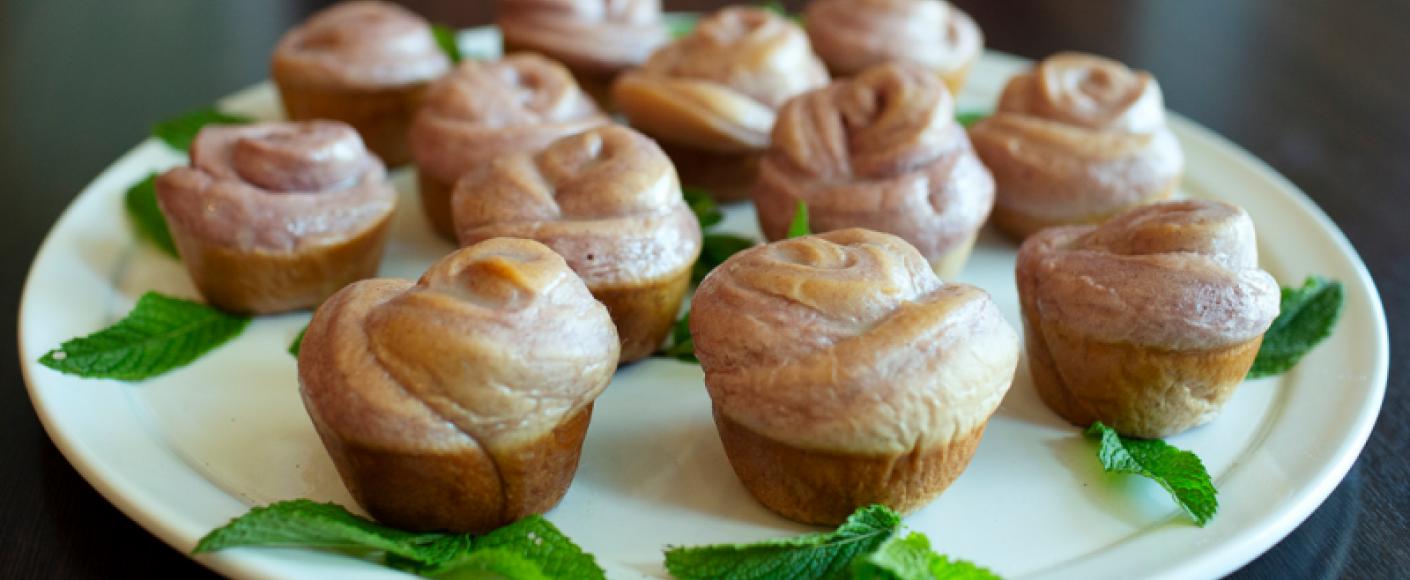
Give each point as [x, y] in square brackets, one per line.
[1076, 140]
[365, 63]
[853, 35]
[486, 109]
[1149, 321]
[277, 216]
[459, 401]
[880, 151]
[843, 372]
[609, 202]
[710, 98]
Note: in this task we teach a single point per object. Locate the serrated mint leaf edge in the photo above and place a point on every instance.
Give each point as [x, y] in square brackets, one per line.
[1275, 356]
[873, 523]
[1115, 457]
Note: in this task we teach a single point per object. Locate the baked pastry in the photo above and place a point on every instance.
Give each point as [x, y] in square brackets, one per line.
[844, 373]
[608, 201]
[1076, 140]
[365, 63]
[880, 151]
[853, 35]
[459, 401]
[710, 98]
[485, 109]
[596, 39]
[1149, 321]
[277, 216]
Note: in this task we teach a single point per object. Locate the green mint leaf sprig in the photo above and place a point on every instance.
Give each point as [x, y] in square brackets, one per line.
[911, 558]
[682, 25]
[800, 227]
[1307, 317]
[298, 343]
[817, 556]
[968, 119]
[160, 334]
[141, 204]
[681, 347]
[445, 38]
[778, 8]
[1180, 472]
[714, 250]
[179, 132]
[707, 211]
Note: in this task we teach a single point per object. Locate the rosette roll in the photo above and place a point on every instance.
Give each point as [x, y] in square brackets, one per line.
[1149, 321]
[853, 35]
[277, 216]
[711, 97]
[485, 109]
[1076, 140]
[365, 63]
[880, 151]
[595, 39]
[609, 202]
[844, 373]
[459, 401]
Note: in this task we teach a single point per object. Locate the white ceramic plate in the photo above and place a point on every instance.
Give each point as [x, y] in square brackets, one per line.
[186, 452]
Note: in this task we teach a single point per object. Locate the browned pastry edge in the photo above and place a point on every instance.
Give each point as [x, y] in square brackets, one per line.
[381, 117]
[1140, 391]
[461, 492]
[644, 314]
[956, 79]
[822, 487]
[949, 265]
[435, 202]
[729, 177]
[262, 282]
[1019, 224]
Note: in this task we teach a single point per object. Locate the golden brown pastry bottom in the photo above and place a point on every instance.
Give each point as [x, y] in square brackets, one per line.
[1140, 391]
[435, 201]
[381, 117]
[1020, 224]
[729, 177]
[467, 492]
[823, 487]
[262, 282]
[644, 314]
[949, 266]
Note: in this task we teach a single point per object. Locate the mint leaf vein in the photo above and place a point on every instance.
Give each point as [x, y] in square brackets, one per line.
[1180, 472]
[1307, 317]
[818, 556]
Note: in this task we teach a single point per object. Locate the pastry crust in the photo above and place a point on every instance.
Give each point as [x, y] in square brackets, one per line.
[364, 63]
[487, 109]
[854, 35]
[1149, 322]
[608, 201]
[843, 372]
[460, 401]
[278, 216]
[711, 96]
[880, 151]
[1078, 139]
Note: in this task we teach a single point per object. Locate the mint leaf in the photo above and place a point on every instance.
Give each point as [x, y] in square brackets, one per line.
[298, 342]
[535, 539]
[911, 558]
[160, 334]
[968, 120]
[1180, 472]
[1307, 317]
[707, 211]
[818, 556]
[178, 132]
[141, 203]
[491, 563]
[778, 8]
[305, 523]
[799, 227]
[681, 347]
[445, 38]
[682, 25]
[714, 250]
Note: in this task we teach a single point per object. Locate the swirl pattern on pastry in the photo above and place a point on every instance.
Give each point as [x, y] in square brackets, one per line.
[1076, 140]
[853, 35]
[880, 151]
[601, 36]
[847, 342]
[361, 45]
[459, 383]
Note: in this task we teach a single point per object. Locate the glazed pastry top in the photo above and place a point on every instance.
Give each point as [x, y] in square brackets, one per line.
[846, 341]
[484, 109]
[360, 45]
[851, 35]
[277, 186]
[608, 200]
[718, 87]
[1176, 275]
[604, 36]
[494, 346]
[881, 150]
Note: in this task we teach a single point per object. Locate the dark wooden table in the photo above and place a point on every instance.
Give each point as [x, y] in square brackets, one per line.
[1319, 90]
